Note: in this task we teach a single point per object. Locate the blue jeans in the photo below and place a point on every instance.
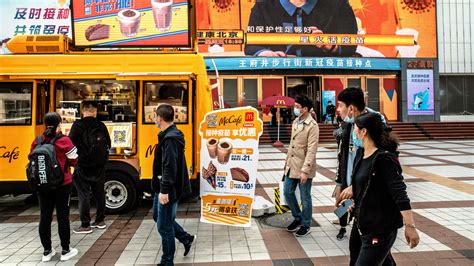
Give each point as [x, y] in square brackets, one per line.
[165, 216]
[289, 187]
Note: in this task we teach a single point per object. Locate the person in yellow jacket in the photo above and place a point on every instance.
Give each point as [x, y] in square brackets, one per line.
[300, 166]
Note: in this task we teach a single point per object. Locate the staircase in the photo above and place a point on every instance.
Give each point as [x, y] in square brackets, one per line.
[403, 131]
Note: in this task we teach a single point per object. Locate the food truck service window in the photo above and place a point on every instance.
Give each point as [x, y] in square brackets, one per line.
[174, 93]
[15, 103]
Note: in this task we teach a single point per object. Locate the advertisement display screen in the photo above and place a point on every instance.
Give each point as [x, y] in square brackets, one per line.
[33, 17]
[131, 23]
[317, 28]
[420, 92]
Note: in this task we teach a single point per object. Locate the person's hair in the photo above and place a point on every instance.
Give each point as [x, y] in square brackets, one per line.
[166, 112]
[329, 101]
[352, 96]
[304, 102]
[89, 106]
[382, 138]
[51, 121]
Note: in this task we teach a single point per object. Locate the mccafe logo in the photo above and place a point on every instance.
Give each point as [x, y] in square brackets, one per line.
[237, 120]
[13, 154]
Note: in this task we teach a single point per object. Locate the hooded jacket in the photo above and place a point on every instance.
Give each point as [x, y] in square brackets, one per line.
[170, 172]
[383, 196]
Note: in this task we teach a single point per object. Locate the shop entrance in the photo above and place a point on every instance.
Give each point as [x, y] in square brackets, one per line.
[306, 86]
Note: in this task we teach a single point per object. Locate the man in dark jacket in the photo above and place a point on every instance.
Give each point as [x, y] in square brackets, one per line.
[170, 182]
[92, 140]
[290, 16]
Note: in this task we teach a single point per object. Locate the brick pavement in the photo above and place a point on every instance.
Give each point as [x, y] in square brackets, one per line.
[440, 180]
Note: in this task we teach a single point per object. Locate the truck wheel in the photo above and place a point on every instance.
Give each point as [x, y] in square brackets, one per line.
[120, 192]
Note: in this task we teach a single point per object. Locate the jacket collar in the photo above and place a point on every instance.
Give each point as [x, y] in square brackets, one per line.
[291, 9]
[307, 120]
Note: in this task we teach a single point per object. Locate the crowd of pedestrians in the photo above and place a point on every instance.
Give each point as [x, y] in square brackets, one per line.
[369, 178]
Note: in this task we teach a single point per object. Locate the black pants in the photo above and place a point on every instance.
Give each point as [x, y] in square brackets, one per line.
[364, 252]
[85, 186]
[343, 220]
[58, 198]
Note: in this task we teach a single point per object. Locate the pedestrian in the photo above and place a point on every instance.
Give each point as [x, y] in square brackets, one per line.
[170, 182]
[350, 105]
[283, 115]
[66, 156]
[273, 111]
[330, 112]
[381, 204]
[300, 166]
[289, 115]
[92, 140]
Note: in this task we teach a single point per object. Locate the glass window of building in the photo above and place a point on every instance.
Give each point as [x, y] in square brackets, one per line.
[15, 103]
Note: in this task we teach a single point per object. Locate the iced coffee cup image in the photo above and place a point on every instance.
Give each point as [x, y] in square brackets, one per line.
[212, 147]
[224, 149]
[162, 12]
[129, 20]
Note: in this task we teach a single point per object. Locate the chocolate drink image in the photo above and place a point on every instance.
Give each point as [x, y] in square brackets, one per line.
[212, 147]
[129, 20]
[224, 149]
[162, 11]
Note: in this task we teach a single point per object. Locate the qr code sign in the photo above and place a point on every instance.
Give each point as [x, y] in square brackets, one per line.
[120, 137]
[243, 210]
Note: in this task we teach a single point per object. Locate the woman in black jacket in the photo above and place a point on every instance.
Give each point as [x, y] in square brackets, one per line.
[381, 204]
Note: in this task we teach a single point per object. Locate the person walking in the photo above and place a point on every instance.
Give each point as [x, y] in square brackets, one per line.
[92, 140]
[66, 156]
[381, 203]
[300, 166]
[170, 182]
[330, 112]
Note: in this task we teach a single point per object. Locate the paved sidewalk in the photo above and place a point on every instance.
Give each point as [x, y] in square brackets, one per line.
[440, 180]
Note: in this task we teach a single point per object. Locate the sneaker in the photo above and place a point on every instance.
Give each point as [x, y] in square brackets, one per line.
[293, 227]
[68, 254]
[48, 255]
[82, 230]
[100, 225]
[187, 246]
[341, 234]
[304, 230]
[335, 221]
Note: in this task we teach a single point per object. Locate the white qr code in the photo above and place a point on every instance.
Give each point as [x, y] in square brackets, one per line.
[120, 137]
[243, 210]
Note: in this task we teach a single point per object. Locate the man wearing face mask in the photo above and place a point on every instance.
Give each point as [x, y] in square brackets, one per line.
[170, 182]
[351, 104]
[300, 166]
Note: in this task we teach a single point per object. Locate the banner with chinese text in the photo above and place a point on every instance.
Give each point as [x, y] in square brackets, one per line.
[420, 92]
[319, 28]
[229, 162]
[131, 23]
[33, 17]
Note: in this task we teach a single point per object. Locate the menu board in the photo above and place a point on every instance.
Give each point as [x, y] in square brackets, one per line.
[131, 23]
[229, 162]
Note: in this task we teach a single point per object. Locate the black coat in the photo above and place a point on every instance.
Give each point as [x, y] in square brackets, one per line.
[170, 164]
[383, 196]
[343, 155]
[330, 16]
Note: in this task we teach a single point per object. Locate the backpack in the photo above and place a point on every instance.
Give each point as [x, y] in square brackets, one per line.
[43, 171]
[95, 149]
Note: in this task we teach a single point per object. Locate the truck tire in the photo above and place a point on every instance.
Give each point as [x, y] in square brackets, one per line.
[120, 192]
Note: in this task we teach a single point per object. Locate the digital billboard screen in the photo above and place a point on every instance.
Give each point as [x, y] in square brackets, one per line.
[318, 28]
[131, 23]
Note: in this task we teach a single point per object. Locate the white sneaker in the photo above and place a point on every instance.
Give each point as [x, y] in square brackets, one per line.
[72, 252]
[49, 256]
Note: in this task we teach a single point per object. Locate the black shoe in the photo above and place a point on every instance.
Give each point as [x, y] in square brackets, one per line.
[304, 230]
[341, 234]
[187, 246]
[293, 227]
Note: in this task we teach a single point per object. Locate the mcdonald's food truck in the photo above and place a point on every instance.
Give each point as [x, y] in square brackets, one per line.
[44, 73]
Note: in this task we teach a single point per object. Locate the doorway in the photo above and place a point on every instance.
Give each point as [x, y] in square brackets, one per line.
[306, 86]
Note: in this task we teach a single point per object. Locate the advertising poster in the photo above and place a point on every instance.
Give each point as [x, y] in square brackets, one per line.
[420, 92]
[33, 17]
[320, 28]
[131, 23]
[328, 96]
[229, 162]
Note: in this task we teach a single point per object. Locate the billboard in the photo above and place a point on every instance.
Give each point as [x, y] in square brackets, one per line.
[131, 23]
[420, 90]
[33, 17]
[318, 28]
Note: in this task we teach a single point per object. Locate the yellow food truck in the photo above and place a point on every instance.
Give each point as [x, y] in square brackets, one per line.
[46, 74]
